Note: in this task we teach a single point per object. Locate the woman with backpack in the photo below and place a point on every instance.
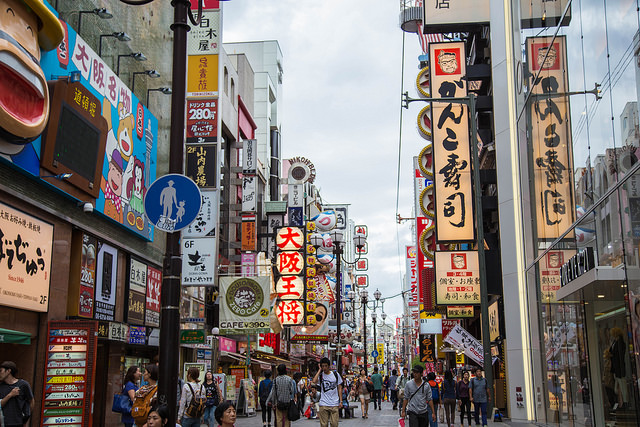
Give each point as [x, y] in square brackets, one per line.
[193, 400]
[264, 389]
[130, 380]
[449, 397]
[435, 396]
[214, 396]
[146, 396]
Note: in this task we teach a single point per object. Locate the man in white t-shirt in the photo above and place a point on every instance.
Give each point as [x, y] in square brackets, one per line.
[330, 385]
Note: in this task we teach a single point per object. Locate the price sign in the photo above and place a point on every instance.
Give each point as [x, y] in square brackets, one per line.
[202, 118]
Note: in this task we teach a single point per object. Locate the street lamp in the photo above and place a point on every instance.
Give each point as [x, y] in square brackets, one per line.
[149, 73]
[101, 13]
[364, 303]
[121, 36]
[138, 56]
[165, 90]
[337, 236]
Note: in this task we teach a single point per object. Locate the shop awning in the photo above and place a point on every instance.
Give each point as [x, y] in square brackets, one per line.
[235, 356]
[14, 337]
[597, 284]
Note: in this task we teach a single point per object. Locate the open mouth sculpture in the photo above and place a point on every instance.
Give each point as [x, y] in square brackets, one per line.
[22, 91]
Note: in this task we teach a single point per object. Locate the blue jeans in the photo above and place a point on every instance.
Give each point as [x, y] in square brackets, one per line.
[190, 422]
[208, 417]
[477, 407]
[431, 422]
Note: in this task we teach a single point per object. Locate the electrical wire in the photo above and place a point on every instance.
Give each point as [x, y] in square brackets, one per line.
[400, 161]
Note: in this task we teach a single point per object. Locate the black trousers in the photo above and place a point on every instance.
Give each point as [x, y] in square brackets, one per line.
[418, 420]
[394, 398]
[377, 398]
[266, 411]
[465, 406]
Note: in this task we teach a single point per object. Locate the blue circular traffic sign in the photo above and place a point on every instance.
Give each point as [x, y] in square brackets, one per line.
[374, 353]
[172, 202]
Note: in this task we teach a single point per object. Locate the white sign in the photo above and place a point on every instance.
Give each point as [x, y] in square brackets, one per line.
[199, 262]
[249, 156]
[138, 276]
[249, 193]
[457, 278]
[25, 260]
[296, 195]
[342, 215]
[244, 305]
[206, 222]
[460, 338]
[204, 39]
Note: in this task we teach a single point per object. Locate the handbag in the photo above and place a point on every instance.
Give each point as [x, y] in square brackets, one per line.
[121, 404]
[293, 413]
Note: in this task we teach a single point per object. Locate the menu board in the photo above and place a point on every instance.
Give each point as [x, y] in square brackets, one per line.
[68, 383]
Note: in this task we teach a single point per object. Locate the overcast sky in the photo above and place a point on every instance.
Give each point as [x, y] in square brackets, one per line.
[341, 88]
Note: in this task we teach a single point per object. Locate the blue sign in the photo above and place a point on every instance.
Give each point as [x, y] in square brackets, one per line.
[172, 202]
[374, 354]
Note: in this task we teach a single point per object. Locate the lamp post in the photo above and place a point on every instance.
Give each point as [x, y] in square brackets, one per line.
[364, 301]
[101, 13]
[149, 73]
[138, 56]
[121, 36]
[337, 236]
[165, 90]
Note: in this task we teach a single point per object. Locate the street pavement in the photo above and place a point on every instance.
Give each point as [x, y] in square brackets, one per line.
[386, 417]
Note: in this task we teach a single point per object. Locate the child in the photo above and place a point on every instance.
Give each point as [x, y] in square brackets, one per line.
[315, 398]
[345, 403]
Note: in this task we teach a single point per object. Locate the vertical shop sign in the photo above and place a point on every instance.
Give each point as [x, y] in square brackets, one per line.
[249, 193]
[206, 222]
[550, 136]
[106, 282]
[70, 373]
[244, 305]
[201, 164]
[87, 276]
[202, 76]
[152, 312]
[451, 149]
[137, 291]
[202, 120]
[550, 273]
[249, 156]
[205, 38]
[457, 278]
[249, 233]
[412, 275]
[428, 348]
[274, 221]
[494, 321]
[291, 266]
[25, 260]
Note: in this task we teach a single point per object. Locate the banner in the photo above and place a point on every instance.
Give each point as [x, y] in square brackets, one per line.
[459, 338]
[412, 275]
[244, 306]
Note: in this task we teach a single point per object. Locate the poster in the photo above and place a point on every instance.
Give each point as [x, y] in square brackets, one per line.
[154, 282]
[244, 305]
[107, 271]
[87, 276]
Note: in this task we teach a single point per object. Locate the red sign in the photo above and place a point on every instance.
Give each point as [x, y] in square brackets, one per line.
[202, 119]
[152, 313]
[447, 326]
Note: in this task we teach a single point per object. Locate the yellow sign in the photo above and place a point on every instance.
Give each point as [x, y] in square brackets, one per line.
[460, 359]
[202, 75]
[459, 311]
[380, 353]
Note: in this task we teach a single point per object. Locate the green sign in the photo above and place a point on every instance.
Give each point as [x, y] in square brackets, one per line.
[14, 337]
[192, 336]
[62, 412]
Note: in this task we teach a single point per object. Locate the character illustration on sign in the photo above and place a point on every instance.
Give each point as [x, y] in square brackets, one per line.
[26, 26]
[112, 187]
[135, 193]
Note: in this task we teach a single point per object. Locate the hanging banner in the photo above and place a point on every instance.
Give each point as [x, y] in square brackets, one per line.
[25, 260]
[457, 278]
[550, 125]
[244, 305]
[451, 149]
[459, 338]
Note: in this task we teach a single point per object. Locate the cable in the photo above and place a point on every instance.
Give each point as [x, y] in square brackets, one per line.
[399, 161]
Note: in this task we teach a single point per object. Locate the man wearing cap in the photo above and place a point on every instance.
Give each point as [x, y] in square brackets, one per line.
[417, 400]
[16, 395]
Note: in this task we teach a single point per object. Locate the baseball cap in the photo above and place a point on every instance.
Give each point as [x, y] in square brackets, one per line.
[419, 369]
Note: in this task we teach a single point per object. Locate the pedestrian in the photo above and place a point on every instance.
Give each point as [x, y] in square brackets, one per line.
[264, 389]
[282, 393]
[130, 380]
[146, 396]
[330, 383]
[376, 379]
[15, 394]
[462, 392]
[479, 394]
[301, 390]
[214, 396]
[314, 398]
[401, 383]
[226, 414]
[435, 394]
[449, 397]
[385, 387]
[363, 392]
[192, 389]
[159, 416]
[393, 388]
[417, 403]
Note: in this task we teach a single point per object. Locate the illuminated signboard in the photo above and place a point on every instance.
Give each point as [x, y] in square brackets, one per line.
[457, 278]
[291, 264]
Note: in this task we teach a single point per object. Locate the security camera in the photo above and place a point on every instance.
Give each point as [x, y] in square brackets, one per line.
[87, 207]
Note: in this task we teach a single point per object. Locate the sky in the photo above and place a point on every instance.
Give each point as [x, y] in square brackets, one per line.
[342, 86]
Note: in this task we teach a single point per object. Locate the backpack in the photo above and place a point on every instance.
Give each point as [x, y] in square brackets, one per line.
[321, 383]
[435, 391]
[369, 386]
[197, 405]
[142, 405]
[264, 389]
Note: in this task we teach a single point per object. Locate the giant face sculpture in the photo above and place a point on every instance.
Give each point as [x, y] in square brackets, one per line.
[26, 26]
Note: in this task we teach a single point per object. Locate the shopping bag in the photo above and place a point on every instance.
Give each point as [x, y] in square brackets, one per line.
[307, 413]
[401, 422]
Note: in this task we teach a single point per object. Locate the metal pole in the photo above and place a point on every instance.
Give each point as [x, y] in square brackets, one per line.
[484, 293]
[375, 343]
[172, 266]
[338, 252]
[364, 321]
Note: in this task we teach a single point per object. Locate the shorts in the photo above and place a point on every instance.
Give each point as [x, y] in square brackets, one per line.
[365, 396]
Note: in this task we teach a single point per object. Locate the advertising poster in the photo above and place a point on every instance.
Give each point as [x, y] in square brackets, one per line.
[458, 277]
[128, 162]
[244, 305]
[459, 338]
[25, 260]
[68, 383]
[154, 282]
[87, 275]
[550, 276]
[107, 269]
